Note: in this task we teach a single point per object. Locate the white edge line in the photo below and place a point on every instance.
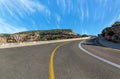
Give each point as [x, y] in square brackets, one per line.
[97, 57]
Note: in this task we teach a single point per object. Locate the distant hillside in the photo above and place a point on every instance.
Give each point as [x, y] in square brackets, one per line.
[38, 35]
[112, 33]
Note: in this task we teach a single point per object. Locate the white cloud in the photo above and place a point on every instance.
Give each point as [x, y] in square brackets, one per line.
[82, 14]
[81, 11]
[7, 28]
[65, 5]
[23, 7]
[62, 5]
[102, 2]
[58, 17]
[70, 6]
[87, 12]
[18, 10]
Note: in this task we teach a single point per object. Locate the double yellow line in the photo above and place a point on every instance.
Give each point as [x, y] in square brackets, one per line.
[51, 63]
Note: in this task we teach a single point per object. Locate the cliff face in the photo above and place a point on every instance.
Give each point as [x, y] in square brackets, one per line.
[24, 37]
[38, 36]
[112, 33]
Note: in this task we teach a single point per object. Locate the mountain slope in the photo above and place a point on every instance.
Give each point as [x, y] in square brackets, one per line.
[38, 35]
[112, 33]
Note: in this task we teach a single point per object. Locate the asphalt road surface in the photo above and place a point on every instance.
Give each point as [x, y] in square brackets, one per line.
[70, 62]
[31, 62]
[73, 63]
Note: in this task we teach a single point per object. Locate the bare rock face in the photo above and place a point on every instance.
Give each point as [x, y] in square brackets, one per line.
[112, 33]
[25, 37]
[3, 40]
[38, 35]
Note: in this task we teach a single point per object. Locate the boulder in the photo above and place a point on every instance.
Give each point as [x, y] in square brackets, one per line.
[112, 33]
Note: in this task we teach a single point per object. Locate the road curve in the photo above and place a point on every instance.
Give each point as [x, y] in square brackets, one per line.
[70, 62]
[30, 62]
[73, 63]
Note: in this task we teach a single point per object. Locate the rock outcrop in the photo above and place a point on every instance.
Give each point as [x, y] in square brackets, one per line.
[3, 39]
[38, 35]
[112, 33]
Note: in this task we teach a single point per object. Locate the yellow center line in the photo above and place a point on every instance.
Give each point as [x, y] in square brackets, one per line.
[51, 63]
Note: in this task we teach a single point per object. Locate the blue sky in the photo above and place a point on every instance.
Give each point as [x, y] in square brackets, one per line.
[83, 16]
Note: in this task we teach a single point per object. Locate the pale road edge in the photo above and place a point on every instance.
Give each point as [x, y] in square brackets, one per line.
[12, 45]
[97, 57]
[107, 44]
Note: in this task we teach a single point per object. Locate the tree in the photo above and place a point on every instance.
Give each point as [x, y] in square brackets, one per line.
[84, 35]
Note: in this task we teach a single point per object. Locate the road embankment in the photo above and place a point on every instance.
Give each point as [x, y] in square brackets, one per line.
[11, 45]
[109, 44]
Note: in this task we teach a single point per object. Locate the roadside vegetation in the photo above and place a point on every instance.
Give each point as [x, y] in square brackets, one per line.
[39, 35]
[112, 33]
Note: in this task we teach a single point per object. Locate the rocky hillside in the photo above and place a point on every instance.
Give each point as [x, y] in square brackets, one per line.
[38, 35]
[112, 33]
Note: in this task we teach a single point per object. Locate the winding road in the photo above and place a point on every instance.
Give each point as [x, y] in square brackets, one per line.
[65, 60]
